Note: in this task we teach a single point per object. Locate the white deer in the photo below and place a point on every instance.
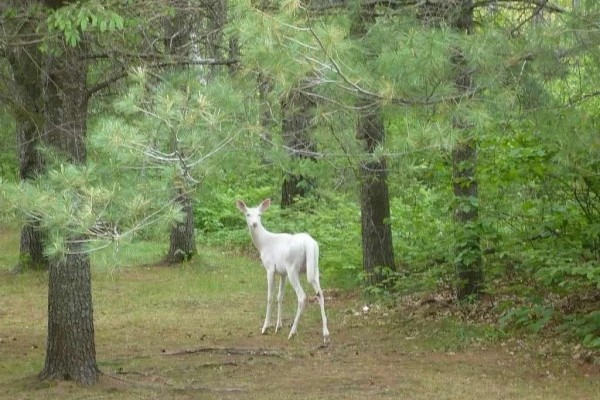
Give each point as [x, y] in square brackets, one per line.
[285, 255]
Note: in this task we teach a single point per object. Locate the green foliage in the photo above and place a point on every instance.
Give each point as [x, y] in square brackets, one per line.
[9, 165]
[585, 326]
[533, 318]
[76, 19]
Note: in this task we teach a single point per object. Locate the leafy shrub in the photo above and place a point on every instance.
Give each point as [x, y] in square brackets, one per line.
[586, 327]
[533, 318]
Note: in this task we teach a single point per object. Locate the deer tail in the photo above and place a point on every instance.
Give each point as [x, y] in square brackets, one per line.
[312, 261]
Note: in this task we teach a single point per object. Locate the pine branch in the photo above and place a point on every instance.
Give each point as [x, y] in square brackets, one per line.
[355, 88]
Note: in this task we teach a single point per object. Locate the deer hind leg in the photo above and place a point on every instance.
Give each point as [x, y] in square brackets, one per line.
[295, 282]
[270, 280]
[282, 282]
[321, 299]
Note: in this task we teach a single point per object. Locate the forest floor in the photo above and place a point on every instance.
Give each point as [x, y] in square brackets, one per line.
[193, 332]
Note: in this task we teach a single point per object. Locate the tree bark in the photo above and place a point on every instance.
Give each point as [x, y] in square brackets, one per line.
[376, 230]
[468, 260]
[70, 348]
[26, 64]
[66, 106]
[468, 263]
[297, 110]
[53, 101]
[182, 238]
[31, 250]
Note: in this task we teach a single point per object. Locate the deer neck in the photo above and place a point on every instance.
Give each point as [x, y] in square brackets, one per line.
[260, 236]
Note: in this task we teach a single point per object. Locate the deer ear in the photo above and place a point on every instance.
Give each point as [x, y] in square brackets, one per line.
[241, 205]
[265, 204]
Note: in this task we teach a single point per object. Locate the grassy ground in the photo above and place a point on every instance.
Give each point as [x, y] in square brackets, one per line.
[194, 332]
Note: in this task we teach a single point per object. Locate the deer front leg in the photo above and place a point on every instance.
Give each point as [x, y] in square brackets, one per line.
[280, 301]
[270, 280]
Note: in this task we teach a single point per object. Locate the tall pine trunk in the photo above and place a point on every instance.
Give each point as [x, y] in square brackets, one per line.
[297, 110]
[182, 238]
[468, 259]
[376, 230]
[468, 263]
[70, 348]
[378, 250]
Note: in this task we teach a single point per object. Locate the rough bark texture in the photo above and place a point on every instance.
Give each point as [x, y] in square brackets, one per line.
[66, 106]
[51, 109]
[297, 123]
[376, 231]
[469, 261]
[182, 238]
[31, 250]
[182, 245]
[70, 349]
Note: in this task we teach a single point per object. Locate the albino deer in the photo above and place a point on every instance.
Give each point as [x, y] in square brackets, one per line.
[287, 256]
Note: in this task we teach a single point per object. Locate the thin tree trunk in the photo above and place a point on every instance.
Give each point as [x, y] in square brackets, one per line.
[31, 251]
[216, 21]
[297, 110]
[469, 261]
[458, 14]
[377, 246]
[266, 118]
[182, 238]
[26, 65]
